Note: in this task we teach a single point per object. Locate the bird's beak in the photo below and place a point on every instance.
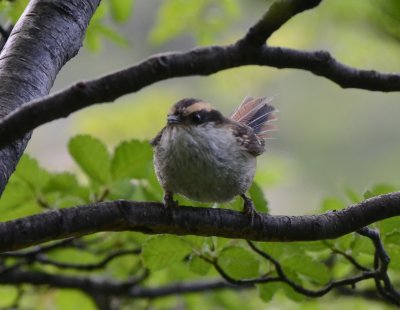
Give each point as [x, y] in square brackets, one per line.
[173, 119]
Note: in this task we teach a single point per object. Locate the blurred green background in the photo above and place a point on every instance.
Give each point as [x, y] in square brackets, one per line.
[330, 141]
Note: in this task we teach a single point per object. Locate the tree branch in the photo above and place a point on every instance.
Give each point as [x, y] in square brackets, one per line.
[276, 16]
[52, 32]
[87, 267]
[153, 218]
[115, 288]
[199, 61]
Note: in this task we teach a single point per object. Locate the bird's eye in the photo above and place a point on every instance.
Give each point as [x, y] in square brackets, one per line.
[196, 118]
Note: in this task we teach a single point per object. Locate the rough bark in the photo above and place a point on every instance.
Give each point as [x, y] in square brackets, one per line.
[154, 218]
[48, 34]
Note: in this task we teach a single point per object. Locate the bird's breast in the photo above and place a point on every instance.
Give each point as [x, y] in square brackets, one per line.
[203, 163]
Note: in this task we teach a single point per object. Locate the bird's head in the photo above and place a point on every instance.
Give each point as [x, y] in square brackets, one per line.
[193, 112]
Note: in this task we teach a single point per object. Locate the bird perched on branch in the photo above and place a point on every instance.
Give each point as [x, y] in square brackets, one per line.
[207, 157]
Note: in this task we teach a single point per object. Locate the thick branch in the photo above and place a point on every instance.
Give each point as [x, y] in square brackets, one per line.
[44, 39]
[199, 61]
[153, 218]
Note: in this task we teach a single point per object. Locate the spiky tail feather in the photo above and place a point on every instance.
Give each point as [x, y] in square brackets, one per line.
[256, 113]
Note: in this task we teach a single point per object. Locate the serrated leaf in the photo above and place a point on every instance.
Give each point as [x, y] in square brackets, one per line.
[92, 157]
[132, 159]
[199, 265]
[29, 171]
[159, 252]
[238, 262]
[66, 184]
[306, 266]
[121, 9]
[379, 189]
[257, 195]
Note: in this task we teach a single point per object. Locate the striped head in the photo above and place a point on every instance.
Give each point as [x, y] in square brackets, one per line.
[192, 111]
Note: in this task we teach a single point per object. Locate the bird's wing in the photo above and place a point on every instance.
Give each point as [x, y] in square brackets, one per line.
[256, 113]
[247, 140]
[154, 142]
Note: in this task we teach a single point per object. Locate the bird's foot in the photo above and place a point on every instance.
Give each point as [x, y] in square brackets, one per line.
[169, 201]
[249, 209]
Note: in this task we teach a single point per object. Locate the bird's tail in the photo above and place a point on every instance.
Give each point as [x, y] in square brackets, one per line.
[256, 113]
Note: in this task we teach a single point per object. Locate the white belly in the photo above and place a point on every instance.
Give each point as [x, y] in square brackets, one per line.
[210, 169]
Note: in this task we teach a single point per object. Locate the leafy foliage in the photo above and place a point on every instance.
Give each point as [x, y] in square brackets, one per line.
[202, 19]
[127, 173]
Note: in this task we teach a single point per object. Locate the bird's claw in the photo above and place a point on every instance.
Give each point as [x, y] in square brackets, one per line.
[250, 210]
[169, 201]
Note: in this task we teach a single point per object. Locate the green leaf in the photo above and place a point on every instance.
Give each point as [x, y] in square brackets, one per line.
[28, 171]
[132, 159]
[159, 252]
[257, 195]
[121, 189]
[345, 242]
[112, 35]
[121, 9]
[15, 195]
[292, 294]
[199, 265]
[389, 225]
[92, 157]
[73, 299]
[92, 40]
[362, 244]
[267, 291]
[392, 238]
[275, 249]
[8, 294]
[238, 262]
[306, 266]
[66, 184]
[393, 251]
[379, 189]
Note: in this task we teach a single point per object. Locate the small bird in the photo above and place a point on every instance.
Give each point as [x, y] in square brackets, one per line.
[207, 157]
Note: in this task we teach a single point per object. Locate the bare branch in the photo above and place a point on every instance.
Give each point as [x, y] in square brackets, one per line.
[39, 249]
[153, 218]
[348, 257]
[88, 267]
[114, 288]
[199, 61]
[277, 15]
[381, 263]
